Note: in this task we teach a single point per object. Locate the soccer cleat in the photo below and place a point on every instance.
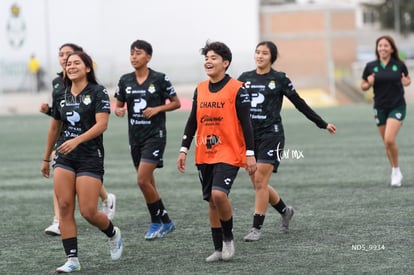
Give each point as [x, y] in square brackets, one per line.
[108, 207]
[228, 250]
[285, 219]
[71, 265]
[215, 257]
[53, 229]
[396, 179]
[253, 235]
[115, 245]
[166, 228]
[153, 231]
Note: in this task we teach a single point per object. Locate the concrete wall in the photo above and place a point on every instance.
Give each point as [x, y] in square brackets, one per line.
[314, 42]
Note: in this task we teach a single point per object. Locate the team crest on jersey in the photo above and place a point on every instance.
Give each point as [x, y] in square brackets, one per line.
[87, 100]
[272, 85]
[151, 89]
[394, 68]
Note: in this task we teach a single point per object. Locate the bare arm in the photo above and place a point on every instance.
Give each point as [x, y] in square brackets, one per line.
[52, 135]
[100, 126]
[170, 106]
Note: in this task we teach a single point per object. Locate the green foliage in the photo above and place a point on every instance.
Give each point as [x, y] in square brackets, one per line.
[347, 221]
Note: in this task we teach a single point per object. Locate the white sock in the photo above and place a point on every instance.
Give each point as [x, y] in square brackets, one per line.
[396, 170]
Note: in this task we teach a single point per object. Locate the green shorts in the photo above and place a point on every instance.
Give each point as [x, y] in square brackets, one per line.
[381, 115]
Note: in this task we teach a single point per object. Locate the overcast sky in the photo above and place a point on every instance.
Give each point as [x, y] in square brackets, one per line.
[177, 29]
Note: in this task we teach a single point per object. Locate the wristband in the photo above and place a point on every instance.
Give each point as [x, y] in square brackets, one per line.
[46, 160]
[249, 153]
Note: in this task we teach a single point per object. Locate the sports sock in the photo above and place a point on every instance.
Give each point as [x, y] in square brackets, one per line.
[217, 235]
[227, 229]
[258, 220]
[164, 214]
[280, 207]
[110, 231]
[154, 211]
[71, 247]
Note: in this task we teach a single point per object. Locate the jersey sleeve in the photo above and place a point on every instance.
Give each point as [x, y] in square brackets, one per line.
[103, 104]
[367, 71]
[167, 88]
[404, 69]
[120, 91]
[191, 125]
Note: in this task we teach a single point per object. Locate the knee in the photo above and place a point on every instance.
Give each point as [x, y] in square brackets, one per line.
[88, 213]
[260, 186]
[389, 142]
[65, 208]
[218, 197]
[142, 182]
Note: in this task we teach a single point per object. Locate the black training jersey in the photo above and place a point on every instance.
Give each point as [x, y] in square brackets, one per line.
[266, 92]
[155, 90]
[388, 89]
[58, 91]
[77, 114]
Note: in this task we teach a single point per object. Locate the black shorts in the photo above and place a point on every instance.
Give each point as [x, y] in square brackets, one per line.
[152, 151]
[270, 150]
[219, 176]
[93, 167]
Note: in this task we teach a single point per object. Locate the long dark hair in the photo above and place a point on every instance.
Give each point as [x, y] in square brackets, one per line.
[74, 47]
[390, 40]
[87, 60]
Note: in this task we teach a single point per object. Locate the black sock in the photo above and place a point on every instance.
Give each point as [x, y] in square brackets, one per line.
[280, 207]
[71, 247]
[154, 211]
[258, 220]
[227, 229]
[217, 234]
[110, 231]
[164, 214]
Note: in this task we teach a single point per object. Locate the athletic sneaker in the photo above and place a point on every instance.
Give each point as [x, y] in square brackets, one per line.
[253, 235]
[53, 229]
[396, 179]
[215, 257]
[166, 228]
[115, 245]
[228, 250]
[153, 231]
[108, 207]
[71, 265]
[285, 219]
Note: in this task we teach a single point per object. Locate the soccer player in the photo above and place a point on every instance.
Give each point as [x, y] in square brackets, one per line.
[77, 127]
[145, 93]
[224, 142]
[388, 75]
[267, 87]
[58, 86]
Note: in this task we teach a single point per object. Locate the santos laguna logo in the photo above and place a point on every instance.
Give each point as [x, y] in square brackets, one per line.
[286, 153]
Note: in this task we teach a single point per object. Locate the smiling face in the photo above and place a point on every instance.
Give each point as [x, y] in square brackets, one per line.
[384, 49]
[64, 52]
[214, 66]
[263, 58]
[139, 58]
[76, 70]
